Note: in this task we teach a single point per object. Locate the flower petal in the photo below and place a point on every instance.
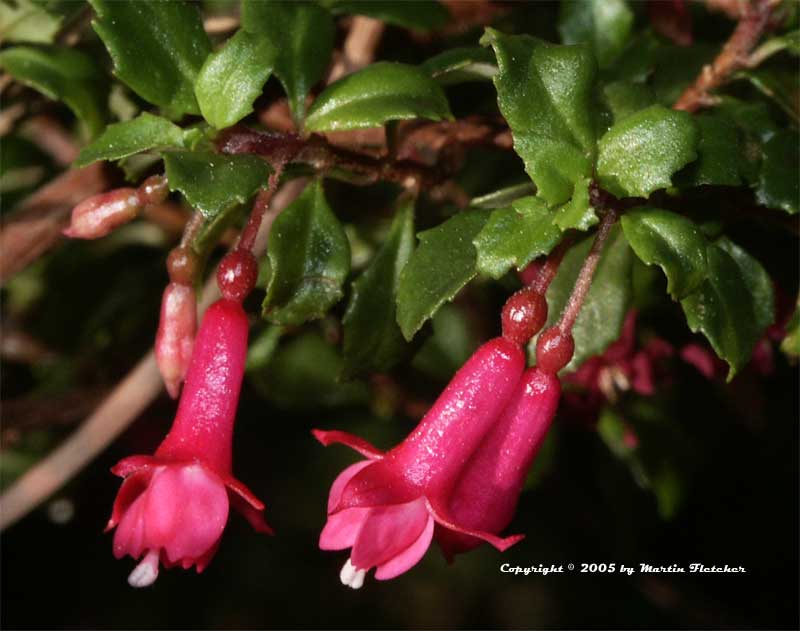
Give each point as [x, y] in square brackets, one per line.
[440, 514]
[341, 529]
[409, 557]
[388, 531]
[376, 485]
[341, 481]
[343, 438]
[254, 516]
[132, 464]
[132, 487]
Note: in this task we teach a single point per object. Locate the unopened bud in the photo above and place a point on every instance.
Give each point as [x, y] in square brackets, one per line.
[98, 215]
[175, 337]
[153, 190]
[237, 274]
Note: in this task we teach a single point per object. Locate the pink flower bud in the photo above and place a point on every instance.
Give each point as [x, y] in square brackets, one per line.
[98, 215]
[172, 507]
[385, 508]
[175, 336]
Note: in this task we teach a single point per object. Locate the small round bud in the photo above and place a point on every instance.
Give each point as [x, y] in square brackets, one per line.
[98, 215]
[182, 266]
[153, 190]
[553, 350]
[523, 315]
[237, 275]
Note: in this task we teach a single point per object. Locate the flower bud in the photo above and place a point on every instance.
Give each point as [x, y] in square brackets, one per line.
[175, 337]
[98, 215]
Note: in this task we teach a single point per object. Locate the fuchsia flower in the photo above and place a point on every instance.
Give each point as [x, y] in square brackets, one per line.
[173, 506]
[385, 508]
[487, 493]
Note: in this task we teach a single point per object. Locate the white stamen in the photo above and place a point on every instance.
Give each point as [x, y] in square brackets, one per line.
[352, 577]
[146, 573]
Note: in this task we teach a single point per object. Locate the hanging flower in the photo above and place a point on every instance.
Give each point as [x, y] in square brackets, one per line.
[173, 506]
[385, 507]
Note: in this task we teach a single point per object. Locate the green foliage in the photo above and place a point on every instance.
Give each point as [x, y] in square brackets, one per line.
[233, 77]
[375, 95]
[373, 341]
[600, 320]
[302, 36]
[157, 49]
[545, 93]
[309, 257]
[214, 183]
[28, 21]
[143, 133]
[603, 24]
[734, 305]
[444, 262]
[460, 65]
[513, 237]
[639, 154]
[62, 74]
[719, 152]
[779, 182]
[791, 343]
[420, 15]
[672, 242]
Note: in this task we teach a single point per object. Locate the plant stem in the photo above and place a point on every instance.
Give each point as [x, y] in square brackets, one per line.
[584, 280]
[260, 206]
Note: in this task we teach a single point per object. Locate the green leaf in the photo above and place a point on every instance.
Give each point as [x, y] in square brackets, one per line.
[545, 93]
[461, 65]
[26, 21]
[379, 93]
[779, 84]
[672, 242]
[214, 183]
[791, 343]
[372, 340]
[157, 49]
[302, 34]
[513, 237]
[623, 98]
[789, 42]
[639, 154]
[603, 24]
[309, 258]
[143, 133]
[420, 15]
[734, 305]
[719, 152]
[600, 320]
[779, 182]
[62, 74]
[233, 77]
[444, 262]
[577, 213]
[504, 196]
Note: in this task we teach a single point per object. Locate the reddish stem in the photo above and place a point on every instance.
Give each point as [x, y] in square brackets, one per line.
[260, 207]
[584, 280]
[549, 268]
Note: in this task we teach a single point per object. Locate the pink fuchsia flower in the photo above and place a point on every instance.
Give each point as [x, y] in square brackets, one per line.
[488, 491]
[385, 507]
[173, 506]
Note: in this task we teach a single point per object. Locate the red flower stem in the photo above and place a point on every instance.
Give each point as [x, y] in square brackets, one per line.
[260, 206]
[584, 280]
[191, 229]
[549, 268]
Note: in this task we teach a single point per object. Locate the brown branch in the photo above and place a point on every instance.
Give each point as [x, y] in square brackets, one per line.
[35, 227]
[733, 57]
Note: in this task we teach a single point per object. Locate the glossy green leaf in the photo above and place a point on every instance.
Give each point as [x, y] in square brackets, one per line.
[27, 21]
[779, 182]
[603, 24]
[504, 196]
[513, 237]
[461, 65]
[214, 183]
[600, 320]
[639, 154]
[233, 77]
[62, 74]
[444, 262]
[720, 152]
[789, 42]
[734, 306]
[157, 49]
[623, 98]
[377, 94]
[674, 243]
[309, 258]
[545, 93]
[302, 34]
[420, 15]
[780, 84]
[372, 339]
[577, 213]
[142, 133]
